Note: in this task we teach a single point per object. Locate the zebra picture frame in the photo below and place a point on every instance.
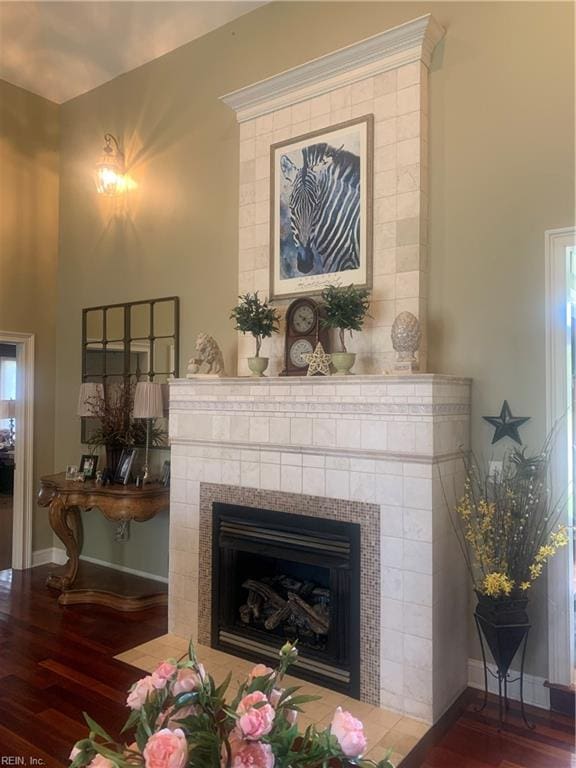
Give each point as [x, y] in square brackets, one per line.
[321, 201]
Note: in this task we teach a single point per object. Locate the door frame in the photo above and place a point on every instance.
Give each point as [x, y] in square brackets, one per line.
[559, 416]
[24, 452]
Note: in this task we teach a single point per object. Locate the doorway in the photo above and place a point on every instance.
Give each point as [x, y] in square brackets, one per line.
[16, 448]
[560, 253]
[7, 450]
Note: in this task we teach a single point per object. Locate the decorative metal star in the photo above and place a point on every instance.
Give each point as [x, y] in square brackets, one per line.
[506, 424]
[318, 361]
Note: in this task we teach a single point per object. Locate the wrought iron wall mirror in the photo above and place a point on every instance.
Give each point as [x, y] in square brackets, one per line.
[131, 342]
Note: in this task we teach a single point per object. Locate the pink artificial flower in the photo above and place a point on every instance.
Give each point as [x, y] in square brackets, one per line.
[99, 761]
[140, 692]
[247, 754]
[254, 754]
[166, 749]
[290, 714]
[75, 752]
[350, 733]
[255, 722]
[260, 670]
[162, 674]
[187, 680]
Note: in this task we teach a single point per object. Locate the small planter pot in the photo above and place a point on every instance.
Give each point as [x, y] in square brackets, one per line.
[257, 365]
[343, 362]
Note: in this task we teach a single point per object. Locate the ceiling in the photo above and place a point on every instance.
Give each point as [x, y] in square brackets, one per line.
[62, 49]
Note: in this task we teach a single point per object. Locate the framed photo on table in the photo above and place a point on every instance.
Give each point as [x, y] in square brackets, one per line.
[124, 468]
[88, 465]
[321, 209]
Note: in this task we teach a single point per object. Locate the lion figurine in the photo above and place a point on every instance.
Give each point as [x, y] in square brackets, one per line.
[207, 354]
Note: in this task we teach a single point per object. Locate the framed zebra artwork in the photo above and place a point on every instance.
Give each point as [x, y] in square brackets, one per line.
[321, 209]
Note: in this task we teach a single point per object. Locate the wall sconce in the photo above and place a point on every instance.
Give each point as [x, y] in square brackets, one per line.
[110, 168]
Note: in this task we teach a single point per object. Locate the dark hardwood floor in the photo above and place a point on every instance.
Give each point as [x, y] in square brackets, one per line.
[6, 502]
[466, 738]
[57, 662]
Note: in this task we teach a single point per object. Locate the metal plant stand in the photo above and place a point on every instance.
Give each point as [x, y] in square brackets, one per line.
[504, 641]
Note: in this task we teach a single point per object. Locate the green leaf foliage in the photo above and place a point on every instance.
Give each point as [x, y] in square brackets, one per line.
[256, 317]
[345, 308]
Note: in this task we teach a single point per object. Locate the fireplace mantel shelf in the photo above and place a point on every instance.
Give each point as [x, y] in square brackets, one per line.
[415, 378]
[408, 418]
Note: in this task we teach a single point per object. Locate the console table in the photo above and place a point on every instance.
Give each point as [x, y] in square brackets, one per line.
[65, 499]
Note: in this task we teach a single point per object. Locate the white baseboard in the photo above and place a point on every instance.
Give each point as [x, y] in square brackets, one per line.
[58, 556]
[125, 569]
[534, 691]
[49, 555]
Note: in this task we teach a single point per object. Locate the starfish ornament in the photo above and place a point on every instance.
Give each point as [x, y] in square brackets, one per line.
[318, 361]
[506, 425]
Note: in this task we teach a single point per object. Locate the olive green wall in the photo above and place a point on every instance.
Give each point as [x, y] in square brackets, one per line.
[501, 154]
[28, 254]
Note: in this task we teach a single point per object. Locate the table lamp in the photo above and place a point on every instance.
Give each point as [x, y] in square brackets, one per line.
[148, 404]
[8, 411]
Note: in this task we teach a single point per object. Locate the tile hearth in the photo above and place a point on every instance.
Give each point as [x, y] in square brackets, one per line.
[384, 729]
[389, 444]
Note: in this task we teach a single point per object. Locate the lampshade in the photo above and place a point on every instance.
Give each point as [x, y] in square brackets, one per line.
[110, 168]
[89, 394]
[148, 400]
[7, 409]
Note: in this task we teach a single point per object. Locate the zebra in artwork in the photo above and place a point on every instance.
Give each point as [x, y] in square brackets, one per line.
[324, 208]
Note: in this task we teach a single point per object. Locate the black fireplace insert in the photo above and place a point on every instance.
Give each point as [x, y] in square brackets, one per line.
[278, 577]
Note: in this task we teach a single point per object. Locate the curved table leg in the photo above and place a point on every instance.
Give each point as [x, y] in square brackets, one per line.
[66, 524]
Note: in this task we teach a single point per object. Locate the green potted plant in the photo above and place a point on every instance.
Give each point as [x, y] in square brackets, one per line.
[257, 317]
[345, 308]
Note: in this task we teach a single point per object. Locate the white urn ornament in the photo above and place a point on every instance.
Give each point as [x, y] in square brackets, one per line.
[406, 336]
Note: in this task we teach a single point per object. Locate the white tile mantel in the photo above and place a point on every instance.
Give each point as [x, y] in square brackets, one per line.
[377, 439]
[386, 76]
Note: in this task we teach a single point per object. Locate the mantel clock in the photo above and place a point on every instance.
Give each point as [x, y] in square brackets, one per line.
[303, 331]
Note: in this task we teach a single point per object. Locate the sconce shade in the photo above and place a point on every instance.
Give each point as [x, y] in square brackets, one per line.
[7, 409]
[148, 400]
[89, 393]
[110, 168]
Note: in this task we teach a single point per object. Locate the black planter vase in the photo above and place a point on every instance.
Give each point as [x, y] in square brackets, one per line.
[502, 610]
[113, 455]
[504, 625]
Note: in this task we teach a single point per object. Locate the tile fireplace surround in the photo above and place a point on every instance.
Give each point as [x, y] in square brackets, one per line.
[380, 450]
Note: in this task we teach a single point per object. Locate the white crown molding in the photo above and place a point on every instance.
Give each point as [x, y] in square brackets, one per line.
[413, 41]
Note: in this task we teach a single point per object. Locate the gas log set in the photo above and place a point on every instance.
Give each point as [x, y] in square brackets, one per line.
[300, 609]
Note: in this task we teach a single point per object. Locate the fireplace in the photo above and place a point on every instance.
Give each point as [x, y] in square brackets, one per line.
[278, 577]
[365, 450]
